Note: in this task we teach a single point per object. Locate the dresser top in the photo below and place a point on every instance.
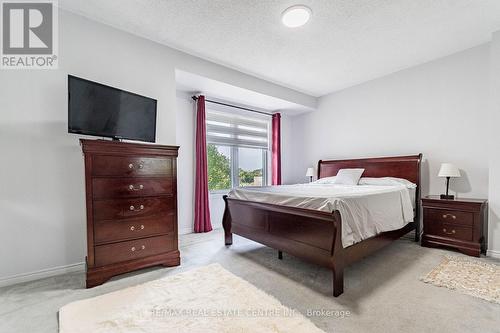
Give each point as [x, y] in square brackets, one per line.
[118, 147]
[437, 199]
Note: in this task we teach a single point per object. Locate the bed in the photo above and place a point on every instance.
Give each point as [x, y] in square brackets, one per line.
[313, 229]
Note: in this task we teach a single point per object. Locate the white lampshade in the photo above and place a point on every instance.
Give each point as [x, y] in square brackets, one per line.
[448, 170]
[310, 172]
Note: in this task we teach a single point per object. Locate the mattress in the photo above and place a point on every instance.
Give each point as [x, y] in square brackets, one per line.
[366, 210]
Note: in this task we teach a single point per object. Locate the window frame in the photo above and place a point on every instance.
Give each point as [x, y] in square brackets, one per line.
[234, 153]
[234, 168]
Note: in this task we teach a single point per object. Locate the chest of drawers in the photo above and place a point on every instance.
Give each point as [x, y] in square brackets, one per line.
[131, 194]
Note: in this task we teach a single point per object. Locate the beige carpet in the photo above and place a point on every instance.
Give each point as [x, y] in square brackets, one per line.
[206, 299]
[382, 293]
[468, 276]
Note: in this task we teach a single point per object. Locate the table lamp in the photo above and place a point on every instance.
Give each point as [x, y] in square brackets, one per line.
[310, 174]
[448, 170]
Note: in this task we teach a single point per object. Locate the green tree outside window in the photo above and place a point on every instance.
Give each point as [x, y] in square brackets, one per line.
[247, 177]
[219, 169]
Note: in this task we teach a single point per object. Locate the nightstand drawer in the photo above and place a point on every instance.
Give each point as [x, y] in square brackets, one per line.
[449, 230]
[449, 216]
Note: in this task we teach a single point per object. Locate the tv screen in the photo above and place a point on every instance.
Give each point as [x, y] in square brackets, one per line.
[96, 109]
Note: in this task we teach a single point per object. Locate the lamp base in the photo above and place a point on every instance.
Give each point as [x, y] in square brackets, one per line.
[447, 197]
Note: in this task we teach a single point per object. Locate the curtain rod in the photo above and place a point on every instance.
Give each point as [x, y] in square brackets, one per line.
[233, 106]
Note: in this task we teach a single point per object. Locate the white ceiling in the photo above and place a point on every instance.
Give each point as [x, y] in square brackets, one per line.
[346, 42]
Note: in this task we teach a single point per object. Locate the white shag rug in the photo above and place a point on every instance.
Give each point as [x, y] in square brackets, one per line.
[468, 276]
[206, 299]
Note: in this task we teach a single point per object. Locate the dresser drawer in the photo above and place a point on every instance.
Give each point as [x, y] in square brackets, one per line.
[124, 166]
[449, 230]
[135, 249]
[132, 208]
[118, 230]
[110, 188]
[449, 216]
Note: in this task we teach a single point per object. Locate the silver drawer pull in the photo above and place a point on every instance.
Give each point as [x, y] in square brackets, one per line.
[132, 249]
[132, 228]
[450, 215]
[131, 166]
[133, 188]
[449, 233]
[141, 207]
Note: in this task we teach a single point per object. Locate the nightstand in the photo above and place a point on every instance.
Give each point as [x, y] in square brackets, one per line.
[458, 223]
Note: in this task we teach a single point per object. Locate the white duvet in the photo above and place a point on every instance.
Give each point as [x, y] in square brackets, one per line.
[366, 210]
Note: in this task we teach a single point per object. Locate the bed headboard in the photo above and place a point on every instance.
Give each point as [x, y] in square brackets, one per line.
[407, 167]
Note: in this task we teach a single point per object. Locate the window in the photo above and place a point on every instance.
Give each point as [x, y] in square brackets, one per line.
[237, 149]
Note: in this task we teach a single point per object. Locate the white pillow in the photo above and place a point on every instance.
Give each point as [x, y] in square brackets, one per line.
[386, 181]
[326, 180]
[348, 176]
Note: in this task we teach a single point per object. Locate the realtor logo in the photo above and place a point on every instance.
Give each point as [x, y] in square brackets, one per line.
[29, 35]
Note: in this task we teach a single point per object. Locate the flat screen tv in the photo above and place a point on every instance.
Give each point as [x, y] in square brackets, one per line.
[100, 110]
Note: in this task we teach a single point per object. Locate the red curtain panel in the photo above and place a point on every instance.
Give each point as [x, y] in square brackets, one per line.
[201, 204]
[276, 149]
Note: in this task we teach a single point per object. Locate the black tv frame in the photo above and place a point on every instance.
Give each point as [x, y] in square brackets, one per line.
[114, 137]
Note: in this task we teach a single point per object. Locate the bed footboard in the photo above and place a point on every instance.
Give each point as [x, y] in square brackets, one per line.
[312, 235]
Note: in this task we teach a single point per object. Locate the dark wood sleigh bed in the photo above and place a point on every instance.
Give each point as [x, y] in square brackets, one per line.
[316, 236]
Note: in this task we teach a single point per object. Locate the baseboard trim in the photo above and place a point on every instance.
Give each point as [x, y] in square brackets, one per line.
[41, 274]
[493, 254]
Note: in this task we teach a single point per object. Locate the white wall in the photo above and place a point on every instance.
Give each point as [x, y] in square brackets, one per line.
[185, 132]
[493, 147]
[438, 109]
[42, 178]
[287, 151]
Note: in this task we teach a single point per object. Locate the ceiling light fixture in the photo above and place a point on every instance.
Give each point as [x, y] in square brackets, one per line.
[296, 16]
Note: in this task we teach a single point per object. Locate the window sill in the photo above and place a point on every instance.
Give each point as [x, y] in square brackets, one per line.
[217, 192]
